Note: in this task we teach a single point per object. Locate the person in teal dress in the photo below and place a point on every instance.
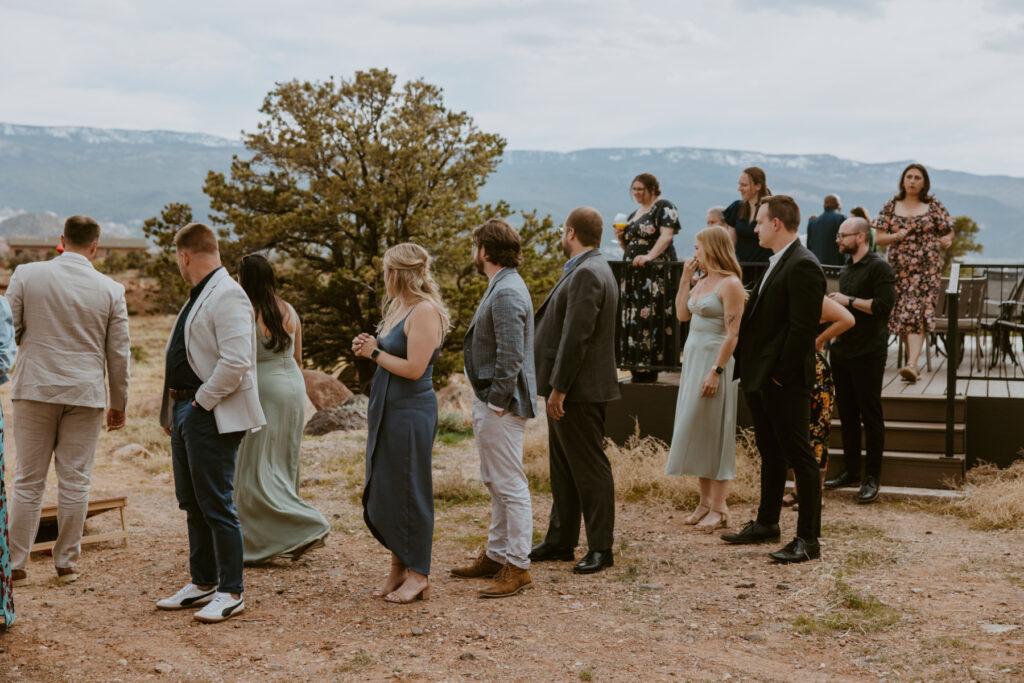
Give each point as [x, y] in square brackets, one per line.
[275, 521]
[7, 353]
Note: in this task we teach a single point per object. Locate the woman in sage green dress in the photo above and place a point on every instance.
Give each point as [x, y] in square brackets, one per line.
[276, 522]
[704, 435]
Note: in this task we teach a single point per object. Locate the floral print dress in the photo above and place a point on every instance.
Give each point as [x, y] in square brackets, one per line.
[917, 264]
[823, 405]
[649, 329]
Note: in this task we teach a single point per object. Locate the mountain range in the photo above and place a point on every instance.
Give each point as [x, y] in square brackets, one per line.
[122, 177]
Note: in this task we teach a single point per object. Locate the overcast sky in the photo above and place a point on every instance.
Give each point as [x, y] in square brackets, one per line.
[874, 80]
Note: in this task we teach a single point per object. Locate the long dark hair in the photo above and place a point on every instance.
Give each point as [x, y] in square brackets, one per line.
[256, 276]
[924, 196]
[757, 177]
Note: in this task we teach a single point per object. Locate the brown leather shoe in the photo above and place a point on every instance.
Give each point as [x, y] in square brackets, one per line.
[509, 581]
[66, 575]
[19, 577]
[483, 567]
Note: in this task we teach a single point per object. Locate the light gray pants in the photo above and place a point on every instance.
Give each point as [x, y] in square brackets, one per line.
[500, 443]
[68, 434]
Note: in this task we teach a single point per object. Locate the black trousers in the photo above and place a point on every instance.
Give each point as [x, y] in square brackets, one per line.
[859, 399]
[782, 424]
[581, 478]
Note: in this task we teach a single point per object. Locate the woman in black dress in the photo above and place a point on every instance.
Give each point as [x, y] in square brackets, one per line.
[741, 216]
[398, 498]
[649, 329]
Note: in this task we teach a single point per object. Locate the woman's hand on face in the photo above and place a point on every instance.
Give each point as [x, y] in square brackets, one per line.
[710, 385]
[641, 260]
[689, 269]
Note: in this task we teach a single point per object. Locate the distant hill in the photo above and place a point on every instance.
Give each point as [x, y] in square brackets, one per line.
[124, 177]
[38, 224]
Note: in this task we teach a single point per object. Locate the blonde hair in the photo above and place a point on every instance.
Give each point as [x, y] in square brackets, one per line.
[410, 264]
[719, 252]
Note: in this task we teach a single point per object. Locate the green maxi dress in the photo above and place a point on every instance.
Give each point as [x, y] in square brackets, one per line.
[274, 518]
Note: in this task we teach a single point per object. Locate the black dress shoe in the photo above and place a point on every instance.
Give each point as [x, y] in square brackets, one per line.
[869, 491]
[753, 533]
[797, 550]
[844, 479]
[545, 552]
[593, 562]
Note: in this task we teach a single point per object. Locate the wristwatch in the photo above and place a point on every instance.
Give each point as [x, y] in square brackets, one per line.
[374, 354]
[850, 305]
[718, 369]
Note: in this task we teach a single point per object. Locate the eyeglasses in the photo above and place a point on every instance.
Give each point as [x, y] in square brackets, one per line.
[843, 236]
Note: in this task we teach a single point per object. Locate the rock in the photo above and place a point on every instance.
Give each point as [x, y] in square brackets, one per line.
[745, 584]
[123, 662]
[651, 587]
[467, 656]
[998, 628]
[457, 395]
[163, 668]
[309, 481]
[348, 417]
[753, 637]
[132, 450]
[416, 631]
[782, 586]
[323, 390]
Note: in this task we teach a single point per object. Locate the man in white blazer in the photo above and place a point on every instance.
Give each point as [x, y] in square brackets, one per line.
[71, 324]
[210, 400]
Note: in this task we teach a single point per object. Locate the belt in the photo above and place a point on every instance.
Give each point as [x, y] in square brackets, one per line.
[181, 394]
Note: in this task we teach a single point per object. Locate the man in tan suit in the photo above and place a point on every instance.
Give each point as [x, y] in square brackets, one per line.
[210, 401]
[71, 324]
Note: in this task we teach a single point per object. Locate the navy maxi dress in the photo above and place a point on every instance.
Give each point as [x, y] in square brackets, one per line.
[398, 497]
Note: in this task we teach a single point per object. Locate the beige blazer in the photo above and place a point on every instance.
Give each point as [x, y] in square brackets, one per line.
[220, 340]
[71, 324]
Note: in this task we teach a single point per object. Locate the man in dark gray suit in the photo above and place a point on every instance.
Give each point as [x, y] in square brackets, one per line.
[575, 354]
[498, 357]
[822, 231]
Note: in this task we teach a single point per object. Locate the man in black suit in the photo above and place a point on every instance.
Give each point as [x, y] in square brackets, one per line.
[822, 231]
[775, 364]
[574, 348]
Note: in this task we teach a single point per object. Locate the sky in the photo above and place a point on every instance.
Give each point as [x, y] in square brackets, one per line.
[936, 81]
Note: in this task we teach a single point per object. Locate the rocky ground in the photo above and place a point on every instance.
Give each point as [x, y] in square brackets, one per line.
[899, 594]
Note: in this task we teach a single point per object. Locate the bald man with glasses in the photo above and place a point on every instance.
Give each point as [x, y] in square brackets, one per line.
[867, 288]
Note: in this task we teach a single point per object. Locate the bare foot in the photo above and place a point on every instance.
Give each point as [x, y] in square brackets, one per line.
[415, 586]
[398, 574]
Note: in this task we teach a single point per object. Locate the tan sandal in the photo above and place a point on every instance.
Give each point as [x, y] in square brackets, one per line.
[698, 514]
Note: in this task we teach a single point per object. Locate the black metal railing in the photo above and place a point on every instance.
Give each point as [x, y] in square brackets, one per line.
[989, 299]
[671, 336]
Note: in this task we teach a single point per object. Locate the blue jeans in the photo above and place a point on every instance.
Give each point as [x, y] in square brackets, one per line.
[204, 476]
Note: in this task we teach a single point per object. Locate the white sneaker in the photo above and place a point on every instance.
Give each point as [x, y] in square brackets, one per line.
[189, 596]
[222, 607]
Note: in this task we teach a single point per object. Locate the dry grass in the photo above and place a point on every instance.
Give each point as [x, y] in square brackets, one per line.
[638, 467]
[993, 498]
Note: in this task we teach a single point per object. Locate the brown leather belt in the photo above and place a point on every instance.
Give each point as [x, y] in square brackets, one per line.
[181, 394]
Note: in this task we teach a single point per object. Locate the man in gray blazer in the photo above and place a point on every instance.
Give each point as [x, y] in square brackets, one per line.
[210, 401]
[575, 356]
[71, 323]
[498, 357]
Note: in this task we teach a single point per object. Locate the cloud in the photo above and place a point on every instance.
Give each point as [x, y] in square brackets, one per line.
[1007, 40]
[862, 7]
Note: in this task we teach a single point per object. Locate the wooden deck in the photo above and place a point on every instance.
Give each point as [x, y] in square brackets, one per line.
[1005, 380]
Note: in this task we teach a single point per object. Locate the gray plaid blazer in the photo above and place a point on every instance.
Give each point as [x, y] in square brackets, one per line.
[498, 348]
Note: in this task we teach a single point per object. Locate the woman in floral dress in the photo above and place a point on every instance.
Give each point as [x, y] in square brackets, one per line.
[649, 334]
[916, 227]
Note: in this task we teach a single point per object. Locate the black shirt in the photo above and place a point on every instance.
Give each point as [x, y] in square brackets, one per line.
[869, 278]
[748, 248]
[180, 374]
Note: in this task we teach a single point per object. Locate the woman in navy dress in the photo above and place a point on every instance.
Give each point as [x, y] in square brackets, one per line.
[398, 497]
[741, 216]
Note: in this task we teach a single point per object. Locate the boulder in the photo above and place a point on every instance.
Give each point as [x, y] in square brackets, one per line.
[323, 390]
[349, 416]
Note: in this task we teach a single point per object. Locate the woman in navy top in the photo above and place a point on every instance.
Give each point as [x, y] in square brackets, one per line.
[741, 216]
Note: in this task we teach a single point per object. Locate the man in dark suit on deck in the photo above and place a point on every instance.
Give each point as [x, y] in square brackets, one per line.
[575, 358]
[775, 364]
[822, 231]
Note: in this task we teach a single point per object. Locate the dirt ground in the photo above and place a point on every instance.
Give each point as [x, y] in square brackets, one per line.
[899, 594]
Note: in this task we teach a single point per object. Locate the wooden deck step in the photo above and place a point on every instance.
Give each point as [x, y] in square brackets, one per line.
[913, 437]
[905, 408]
[917, 470]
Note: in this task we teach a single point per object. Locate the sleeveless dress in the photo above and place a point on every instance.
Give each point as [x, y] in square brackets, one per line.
[274, 518]
[398, 496]
[704, 436]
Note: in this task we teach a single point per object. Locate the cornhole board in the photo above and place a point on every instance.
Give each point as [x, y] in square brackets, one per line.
[48, 516]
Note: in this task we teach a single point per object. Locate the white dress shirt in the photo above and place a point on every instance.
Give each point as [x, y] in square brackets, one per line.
[773, 261]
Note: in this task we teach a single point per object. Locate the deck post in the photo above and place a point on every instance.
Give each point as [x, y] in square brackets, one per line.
[952, 353]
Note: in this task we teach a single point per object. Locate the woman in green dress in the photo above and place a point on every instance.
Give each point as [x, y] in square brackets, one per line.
[276, 522]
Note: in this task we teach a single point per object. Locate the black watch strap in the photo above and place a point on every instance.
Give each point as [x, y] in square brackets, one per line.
[374, 354]
[718, 369]
[852, 299]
